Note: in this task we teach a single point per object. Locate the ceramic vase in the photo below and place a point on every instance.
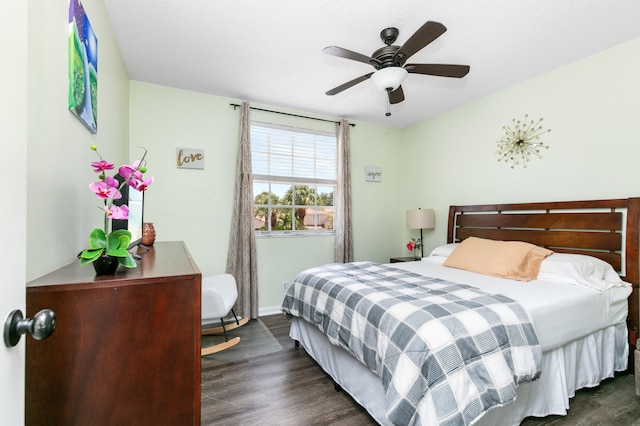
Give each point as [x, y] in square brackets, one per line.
[148, 234]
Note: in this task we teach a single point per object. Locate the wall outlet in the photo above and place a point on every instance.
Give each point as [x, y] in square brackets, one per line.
[285, 286]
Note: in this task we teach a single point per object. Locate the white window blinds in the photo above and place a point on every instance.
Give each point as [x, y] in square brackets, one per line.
[286, 154]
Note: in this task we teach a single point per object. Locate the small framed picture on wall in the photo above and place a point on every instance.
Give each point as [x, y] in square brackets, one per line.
[373, 174]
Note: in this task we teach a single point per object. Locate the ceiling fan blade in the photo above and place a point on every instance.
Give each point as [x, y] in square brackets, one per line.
[426, 34]
[442, 70]
[349, 54]
[396, 96]
[348, 84]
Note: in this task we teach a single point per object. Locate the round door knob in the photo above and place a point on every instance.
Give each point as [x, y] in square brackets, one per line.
[40, 327]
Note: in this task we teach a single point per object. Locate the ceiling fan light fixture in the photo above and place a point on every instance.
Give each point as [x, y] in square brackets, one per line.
[389, 78]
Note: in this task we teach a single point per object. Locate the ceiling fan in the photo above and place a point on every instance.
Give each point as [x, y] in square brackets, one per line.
[389, 61]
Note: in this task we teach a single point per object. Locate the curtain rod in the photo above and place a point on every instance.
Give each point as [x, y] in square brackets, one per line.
[292, 115]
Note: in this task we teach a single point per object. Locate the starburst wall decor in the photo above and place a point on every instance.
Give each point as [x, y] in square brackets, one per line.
[521, 141]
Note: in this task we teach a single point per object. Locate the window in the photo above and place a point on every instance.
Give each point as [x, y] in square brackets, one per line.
[294, 180]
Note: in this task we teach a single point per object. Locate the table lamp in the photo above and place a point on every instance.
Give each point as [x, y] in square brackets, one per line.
[421, 219]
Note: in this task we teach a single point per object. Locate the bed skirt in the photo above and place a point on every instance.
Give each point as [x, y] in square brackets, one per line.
[581, 363]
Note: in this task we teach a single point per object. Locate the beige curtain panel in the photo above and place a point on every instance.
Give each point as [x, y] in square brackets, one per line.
[241, 260]
[344, 233]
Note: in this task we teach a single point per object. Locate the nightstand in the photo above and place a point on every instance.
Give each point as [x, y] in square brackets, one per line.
[403, 259]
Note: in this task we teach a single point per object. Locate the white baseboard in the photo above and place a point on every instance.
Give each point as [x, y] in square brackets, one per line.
[270, 310]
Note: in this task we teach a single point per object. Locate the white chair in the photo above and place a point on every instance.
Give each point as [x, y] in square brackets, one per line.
[219, 294]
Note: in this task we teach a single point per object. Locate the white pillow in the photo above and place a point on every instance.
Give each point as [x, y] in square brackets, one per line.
[579, 269]
[444, 250]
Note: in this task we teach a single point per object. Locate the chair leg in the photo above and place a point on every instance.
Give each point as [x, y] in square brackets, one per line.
[219, 347]
[223, 329]
[236, 318]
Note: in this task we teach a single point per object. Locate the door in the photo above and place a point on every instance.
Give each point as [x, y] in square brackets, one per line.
[13, 215]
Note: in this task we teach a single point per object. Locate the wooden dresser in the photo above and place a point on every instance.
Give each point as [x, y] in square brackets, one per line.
[126, 349]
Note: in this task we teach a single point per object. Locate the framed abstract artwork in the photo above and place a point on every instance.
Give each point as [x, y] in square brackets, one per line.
[83, 67]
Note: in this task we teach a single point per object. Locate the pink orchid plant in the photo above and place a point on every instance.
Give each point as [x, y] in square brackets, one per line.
[107, 188]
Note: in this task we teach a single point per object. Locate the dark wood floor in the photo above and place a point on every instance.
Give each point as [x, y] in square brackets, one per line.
[288, 388]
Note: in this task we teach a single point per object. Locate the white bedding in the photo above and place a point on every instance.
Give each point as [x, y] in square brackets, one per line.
[582, 332]
[584, 362]
[561, 312]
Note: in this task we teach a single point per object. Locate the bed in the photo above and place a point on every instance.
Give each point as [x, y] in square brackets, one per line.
[597, 320]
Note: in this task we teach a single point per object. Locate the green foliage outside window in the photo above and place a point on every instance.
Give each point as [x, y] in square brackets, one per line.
[288, 213]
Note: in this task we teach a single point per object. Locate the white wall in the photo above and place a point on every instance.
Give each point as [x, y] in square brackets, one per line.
[195, 206]
[61, 210]
[591, 107]
[13, 133]
[187, 205]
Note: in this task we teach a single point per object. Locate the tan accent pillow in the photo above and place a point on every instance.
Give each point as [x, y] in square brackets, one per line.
[515, 260]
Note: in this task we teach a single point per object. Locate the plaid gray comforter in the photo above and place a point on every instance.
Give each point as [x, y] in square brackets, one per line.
[446, 352]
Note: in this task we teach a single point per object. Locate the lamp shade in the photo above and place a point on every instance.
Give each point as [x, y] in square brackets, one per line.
[389, 78]
[421, 219]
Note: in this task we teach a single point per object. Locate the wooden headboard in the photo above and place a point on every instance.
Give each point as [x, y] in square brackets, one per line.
[597, 228]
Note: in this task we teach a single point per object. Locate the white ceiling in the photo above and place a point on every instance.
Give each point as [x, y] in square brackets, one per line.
[270, 51]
